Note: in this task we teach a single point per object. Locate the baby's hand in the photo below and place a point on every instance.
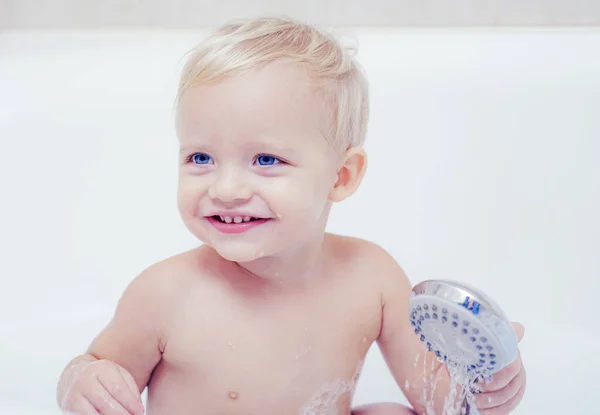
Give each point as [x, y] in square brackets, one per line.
[505, 391]
[105, 388]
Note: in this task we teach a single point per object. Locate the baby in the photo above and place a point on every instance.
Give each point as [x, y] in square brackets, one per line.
[271, 314]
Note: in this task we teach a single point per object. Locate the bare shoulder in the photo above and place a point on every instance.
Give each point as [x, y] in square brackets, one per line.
[358, 251]
[375, 263]
[166, 281]
[153, 295]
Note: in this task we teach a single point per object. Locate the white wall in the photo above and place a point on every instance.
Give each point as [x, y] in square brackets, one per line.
[184, 14]
[484, 167]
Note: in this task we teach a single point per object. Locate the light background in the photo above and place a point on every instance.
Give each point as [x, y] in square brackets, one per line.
[484, 167]
[186, 14]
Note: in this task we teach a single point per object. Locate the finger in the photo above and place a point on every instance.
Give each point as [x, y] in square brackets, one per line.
[104, 403]
[498, 398]
[133, 387]
[114, 383]
[81, 407]
[508, 407]
[519, 330]
[503, 377]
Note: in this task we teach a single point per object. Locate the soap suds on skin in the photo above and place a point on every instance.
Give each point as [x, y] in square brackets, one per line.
[324, 401]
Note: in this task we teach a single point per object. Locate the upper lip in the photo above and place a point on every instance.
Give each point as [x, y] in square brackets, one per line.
[234, 214]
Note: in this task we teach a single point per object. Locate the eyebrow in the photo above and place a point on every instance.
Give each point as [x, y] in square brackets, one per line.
[186, 149]
[264, 144]
[270, 142]
[193, 148]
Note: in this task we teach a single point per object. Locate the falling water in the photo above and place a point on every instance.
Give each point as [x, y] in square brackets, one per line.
[462, 388]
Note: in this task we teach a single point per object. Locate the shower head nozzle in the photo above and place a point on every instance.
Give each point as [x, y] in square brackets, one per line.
[462, 326]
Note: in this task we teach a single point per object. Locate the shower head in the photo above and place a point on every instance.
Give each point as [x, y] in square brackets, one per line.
[463, 327]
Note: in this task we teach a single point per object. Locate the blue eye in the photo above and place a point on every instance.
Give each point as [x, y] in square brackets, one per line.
[267, 160]
[200, 158]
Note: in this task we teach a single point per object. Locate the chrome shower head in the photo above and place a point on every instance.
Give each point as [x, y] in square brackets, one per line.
[462, 326]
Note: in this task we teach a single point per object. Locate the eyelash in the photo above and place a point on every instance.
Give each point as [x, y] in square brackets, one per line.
[280, 161]
[190, 158]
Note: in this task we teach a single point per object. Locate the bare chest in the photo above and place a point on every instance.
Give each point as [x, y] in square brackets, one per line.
[233, 356]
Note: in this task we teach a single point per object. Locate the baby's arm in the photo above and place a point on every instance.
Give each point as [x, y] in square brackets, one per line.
[126, 351]
[409, 362]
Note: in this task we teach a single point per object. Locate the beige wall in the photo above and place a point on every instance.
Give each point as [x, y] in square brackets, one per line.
[186, 14]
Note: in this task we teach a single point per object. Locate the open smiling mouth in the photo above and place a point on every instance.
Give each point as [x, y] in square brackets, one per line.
[235, 224]
[235, 219]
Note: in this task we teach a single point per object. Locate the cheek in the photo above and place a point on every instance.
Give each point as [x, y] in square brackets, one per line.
[301, 198]
[188, 197]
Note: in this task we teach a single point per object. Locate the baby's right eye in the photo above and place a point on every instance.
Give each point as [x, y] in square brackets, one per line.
[199, 158]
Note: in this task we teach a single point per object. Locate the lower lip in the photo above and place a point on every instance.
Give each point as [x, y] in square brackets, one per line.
[235, 227]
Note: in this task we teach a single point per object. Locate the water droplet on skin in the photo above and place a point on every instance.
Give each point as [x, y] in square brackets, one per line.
[231, 345]
[407, 385]
[233, 395]
[364, 339]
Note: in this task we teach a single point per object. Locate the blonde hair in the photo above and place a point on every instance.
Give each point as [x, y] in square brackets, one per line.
[244, 45]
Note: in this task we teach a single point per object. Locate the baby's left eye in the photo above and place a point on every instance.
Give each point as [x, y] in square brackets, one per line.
[267, 160]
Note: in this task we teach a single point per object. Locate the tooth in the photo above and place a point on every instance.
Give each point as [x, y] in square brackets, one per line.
[222, 218]
[237, 219]
[227, 219]
[246, 218]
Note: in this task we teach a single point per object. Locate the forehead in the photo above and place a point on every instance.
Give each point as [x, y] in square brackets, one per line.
[276, 102]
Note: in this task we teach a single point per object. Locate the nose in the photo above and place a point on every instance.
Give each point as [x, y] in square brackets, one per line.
[229, 186]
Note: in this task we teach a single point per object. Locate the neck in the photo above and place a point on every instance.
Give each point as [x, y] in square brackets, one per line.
[294, 266]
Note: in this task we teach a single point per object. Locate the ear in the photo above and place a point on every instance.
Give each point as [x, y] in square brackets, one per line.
[350, 174]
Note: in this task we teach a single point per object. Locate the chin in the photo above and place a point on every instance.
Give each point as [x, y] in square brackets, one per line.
[240, 253]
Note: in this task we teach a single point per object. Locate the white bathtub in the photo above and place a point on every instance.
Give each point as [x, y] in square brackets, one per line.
[494, 135]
